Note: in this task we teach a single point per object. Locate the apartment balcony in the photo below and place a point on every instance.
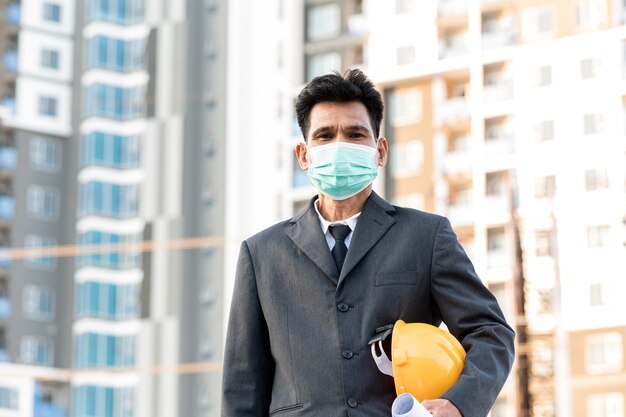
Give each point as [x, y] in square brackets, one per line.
[8, 157]
[43, 407]
[454, 46]
[499, 259]
[451, 8]
[357, 24]
[497, 209]
[453, 110]
[7, 207]
[13, 13]
[5, 308]
[7, 107]
[10, 60]
[457, 162]
[503, 34]
[502, 145]
[498, 92]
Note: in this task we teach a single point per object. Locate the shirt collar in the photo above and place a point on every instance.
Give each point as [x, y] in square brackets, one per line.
[350, 221]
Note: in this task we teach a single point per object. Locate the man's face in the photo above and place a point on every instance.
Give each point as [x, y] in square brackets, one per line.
[340, 122]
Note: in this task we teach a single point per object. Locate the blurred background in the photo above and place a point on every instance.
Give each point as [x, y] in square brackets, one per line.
[142, 140]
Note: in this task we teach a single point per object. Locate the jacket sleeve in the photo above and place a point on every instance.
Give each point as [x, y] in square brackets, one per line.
[473, 316]
[248, 371]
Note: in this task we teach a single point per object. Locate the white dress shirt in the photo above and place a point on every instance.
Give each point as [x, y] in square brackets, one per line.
[330, 240]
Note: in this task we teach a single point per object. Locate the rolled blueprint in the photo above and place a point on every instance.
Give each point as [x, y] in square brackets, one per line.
[407, 406]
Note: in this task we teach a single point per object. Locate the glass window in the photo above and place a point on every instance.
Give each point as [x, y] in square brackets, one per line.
[43, 202]
[45, 154]
[323, 64]
[545, 187]
[542, 77]
[544, 130]
[590, 68]
[597, 294]
[323, 21]
[407, 158]
[604, 353]
[593, 123]
[48, 106]
[9, 398]
[404, 6]
[598, 236]
[108, 257]
[405, 106]
[123, 12]
[50, 58]
[38, 242]
[108, 301]
[538, 22]
[102, 401]
[115, 102]
[596, 179]
[543, 243]
[102, 350]
[590, 13]
[114, 151]
[114, 54]
[38, 302]
[109, 200]
[52, 12]
[36, 351]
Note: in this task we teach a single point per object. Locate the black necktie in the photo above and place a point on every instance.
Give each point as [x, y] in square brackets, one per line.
[339, 233]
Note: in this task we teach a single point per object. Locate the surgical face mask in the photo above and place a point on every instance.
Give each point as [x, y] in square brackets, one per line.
[341, 170]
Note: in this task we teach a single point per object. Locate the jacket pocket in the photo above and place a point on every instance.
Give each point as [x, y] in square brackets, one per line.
[396, 278]
[286, 409]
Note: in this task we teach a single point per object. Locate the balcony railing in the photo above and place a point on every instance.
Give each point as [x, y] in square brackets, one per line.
[8, 157]
[453, 46]
[453, 110]
[502, 145]
[502, 36]
[9, 106]
[457, 162]
[13, 12]
[497, 92]
[5, 308]
[461, 214]
[10, 60]
[499, 259]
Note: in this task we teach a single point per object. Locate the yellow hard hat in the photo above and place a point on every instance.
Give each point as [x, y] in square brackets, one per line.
[426, 360]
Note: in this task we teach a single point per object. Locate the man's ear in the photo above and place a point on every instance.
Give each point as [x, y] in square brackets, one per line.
[302, 153]
[383, 149]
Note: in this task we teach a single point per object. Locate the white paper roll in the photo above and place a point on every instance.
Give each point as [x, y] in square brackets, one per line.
[407, 406]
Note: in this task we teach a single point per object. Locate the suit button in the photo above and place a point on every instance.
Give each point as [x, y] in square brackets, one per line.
[343, 307]
[352, 403]
[347, 354]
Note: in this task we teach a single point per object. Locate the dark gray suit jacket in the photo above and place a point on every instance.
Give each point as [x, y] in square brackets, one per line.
[298, 329]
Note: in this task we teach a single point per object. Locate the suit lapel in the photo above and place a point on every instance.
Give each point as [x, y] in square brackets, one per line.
[373, 223]
[306, 233]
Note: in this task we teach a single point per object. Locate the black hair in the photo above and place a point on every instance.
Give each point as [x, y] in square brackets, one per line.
[352, 86]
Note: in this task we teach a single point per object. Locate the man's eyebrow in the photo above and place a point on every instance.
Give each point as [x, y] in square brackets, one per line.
[357, 127]
[323, 129]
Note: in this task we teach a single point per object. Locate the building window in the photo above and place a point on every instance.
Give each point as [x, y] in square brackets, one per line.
[110, 256]
[596, 179]
[48, 106]
[542, 76]
[37, 261]
[538, 22]
[52, 12]
[598, 236]
[590, 13]
[598, 294]
[590, 68]
[405, 55]
[323, 22]
[123, 12]
[593, 123]
[323, 64]
[102, 401]
[109, 200]
[404, 6]
[542, 357]
[543, 243]
[544, 130]
[36, 351]
[107, 301]
[9, 398]
[43, 202]
[38, 302]
[545, 187]
[407, 158]
[109, 150]
[606, 405]
[604, 353]
[50, 59]
[405, 106]
[102, 350]
[45, 154]
[497, 252]
[115, 102]
[115, 54]
[544, 299]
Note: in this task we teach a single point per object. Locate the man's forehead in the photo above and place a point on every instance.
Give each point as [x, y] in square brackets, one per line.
[352, 113]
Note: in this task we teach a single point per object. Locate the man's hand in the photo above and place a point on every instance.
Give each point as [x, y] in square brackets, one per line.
[441, 408]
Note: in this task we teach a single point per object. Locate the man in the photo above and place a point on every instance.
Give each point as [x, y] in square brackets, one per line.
[304, 309]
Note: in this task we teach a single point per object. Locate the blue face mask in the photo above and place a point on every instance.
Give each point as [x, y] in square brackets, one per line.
[341, 170]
